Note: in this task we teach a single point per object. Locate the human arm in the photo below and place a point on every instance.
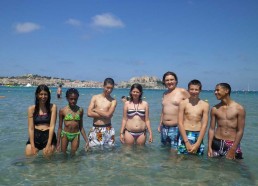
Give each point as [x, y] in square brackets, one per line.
[31, 129]
[48, 148]
[148, 124]
[205, 118]
[124, 120]
[239, 133]
[161, 117]
[83, 131]
[61, 119]
[160, 122]
[181, 112]
[90, 112]
[211, 131]
[109, 112]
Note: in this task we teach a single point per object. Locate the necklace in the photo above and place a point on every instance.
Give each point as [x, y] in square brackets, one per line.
[135, 107]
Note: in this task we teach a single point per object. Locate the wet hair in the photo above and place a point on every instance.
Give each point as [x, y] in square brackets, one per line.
[195, 82]
[167, 74]
[40, 88]
[109, 81]
[225, 86]
[72, 91]
[137, 86]
[124, 97]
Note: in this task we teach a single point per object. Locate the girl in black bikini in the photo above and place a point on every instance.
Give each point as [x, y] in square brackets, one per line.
[41, 124]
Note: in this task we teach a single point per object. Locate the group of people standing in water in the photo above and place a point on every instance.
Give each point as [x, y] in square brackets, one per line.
[183, 121]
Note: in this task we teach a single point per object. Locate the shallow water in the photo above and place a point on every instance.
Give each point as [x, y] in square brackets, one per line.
[121, 165]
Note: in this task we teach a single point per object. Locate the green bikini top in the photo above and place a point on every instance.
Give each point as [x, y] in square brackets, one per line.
[69, 117]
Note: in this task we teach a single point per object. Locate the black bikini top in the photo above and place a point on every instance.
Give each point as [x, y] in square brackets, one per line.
[40, 119]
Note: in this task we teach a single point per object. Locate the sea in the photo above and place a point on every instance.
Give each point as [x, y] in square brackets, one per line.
[152, 164]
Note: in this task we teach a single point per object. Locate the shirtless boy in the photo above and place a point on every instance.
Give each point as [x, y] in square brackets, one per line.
[192, 121]
[101, 109]
[226, 125]
[59, 91]
[170, 102]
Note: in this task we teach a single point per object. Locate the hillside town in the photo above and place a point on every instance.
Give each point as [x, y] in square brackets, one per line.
[29, 80]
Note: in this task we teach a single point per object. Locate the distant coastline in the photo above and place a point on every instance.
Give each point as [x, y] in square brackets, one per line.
[28, 80]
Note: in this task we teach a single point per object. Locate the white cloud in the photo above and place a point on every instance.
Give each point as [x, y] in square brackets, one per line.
[73, 22]
[26, 27]
[107, 20]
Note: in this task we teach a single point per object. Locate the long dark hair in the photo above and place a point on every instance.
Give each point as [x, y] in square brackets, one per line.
[38, 90]
[139, 87]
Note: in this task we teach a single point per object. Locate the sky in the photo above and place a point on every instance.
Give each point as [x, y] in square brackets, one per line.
[212, 41]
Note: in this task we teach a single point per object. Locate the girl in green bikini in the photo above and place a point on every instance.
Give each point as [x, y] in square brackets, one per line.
[72, 117]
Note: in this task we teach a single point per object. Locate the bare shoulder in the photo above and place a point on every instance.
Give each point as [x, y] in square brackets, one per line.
[31, 108]
[145, 103]
[204, 103]
[178, 89]
[184, 92]
[53, 106]
[215, 107]
[80, 109]
[239, 107]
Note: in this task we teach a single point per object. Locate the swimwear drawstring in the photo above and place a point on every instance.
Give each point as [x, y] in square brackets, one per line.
[222, 143]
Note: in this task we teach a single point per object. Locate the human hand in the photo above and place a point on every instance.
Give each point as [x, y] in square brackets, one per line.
[47, 150]
[58, 147]
[34, 150]
[122, 139]
[159, 128]
[150, 138]
[231, 154]
[194, 149]
[87, 147]
[210, 152]
[188, 146]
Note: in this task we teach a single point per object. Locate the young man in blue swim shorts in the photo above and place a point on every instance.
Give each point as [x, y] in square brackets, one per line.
[170, 101]
[193, 117]
[226, 125]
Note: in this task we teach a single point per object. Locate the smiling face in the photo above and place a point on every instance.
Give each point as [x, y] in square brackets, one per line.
[42, 96]
[135, 94]
[194, 91]
[170, 81]
[220, 92]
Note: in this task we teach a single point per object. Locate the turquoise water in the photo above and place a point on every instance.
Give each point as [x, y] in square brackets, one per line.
[148, 165]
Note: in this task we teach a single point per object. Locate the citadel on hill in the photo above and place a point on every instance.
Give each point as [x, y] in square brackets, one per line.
[150, 82]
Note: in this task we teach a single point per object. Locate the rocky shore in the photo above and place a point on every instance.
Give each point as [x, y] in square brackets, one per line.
[150, 82]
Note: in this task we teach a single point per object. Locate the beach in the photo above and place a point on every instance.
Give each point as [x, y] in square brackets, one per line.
[151, 164]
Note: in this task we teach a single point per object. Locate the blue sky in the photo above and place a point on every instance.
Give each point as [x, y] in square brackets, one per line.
[213, 41]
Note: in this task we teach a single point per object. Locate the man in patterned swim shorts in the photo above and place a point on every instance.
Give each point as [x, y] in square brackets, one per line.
[101, 109]
[226, 125]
